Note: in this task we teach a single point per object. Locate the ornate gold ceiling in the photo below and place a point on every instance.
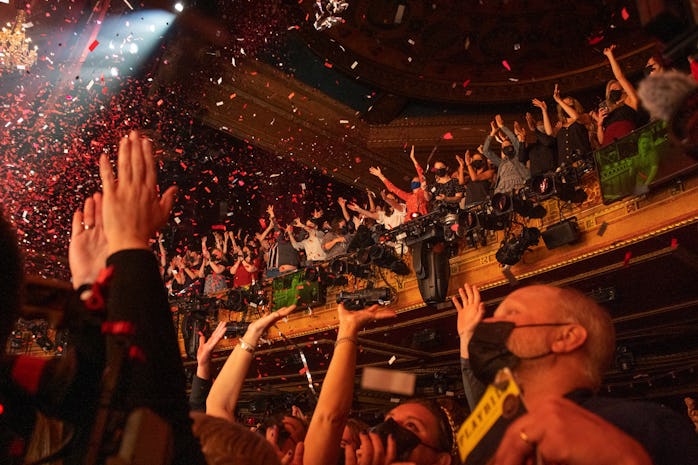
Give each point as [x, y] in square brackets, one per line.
[479, 51]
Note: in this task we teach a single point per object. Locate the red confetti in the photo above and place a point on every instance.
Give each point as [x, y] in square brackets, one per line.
[328, 65]
[93, 45]
[447, 136]
[624, 14]
[506, 65]
[674, 242]
[466, 83]
[628, 256]
[595, 40]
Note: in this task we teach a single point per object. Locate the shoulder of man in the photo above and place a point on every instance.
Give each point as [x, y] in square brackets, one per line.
[668, 436]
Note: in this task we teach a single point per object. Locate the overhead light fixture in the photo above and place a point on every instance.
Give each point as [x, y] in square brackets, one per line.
[16, 53]
[543, 186]
[513, 247]
[179, 7]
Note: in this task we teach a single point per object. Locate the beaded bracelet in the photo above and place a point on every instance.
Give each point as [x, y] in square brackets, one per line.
[346, 339]
[246, 346]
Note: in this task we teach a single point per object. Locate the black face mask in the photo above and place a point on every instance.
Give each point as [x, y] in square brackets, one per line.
[440, 172]
[405, 440]
[508, 150]
[615, 95]
[489, 352]
[477, 164]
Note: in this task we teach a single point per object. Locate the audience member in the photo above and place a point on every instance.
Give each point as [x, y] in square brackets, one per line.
[203, 378]
[415, 200]
[312, 245]
[618, 115]
[213, 268]
[445, 191]
[511, 173]
[336, 241]
[558, 344]
[540, 157]
[479, 182]
[281, 257]
[572, 135]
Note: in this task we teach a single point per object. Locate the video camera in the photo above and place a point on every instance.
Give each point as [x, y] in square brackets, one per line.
[360, 299]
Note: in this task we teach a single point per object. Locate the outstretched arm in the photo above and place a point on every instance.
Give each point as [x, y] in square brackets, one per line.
[418, 168]
[133, 210]
[631, 98]
[494, 159]
[470, 312]
[343, 206]
[546, 118]
[332, 410]
[354, 207]
[226, 389]
[391, 187]
[263, 236]
[570, 110]
[201, 382]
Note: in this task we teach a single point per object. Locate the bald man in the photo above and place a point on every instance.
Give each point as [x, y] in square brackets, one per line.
[558, 343]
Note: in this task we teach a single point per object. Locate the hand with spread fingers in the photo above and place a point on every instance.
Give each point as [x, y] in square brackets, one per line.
[205, 350]
[87, 253]
[132, 207]
[470, 312]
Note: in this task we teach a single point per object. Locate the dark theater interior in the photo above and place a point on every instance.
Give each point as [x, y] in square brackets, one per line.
[292, 104]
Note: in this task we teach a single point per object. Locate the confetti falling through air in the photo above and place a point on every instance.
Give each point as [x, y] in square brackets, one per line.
[55, 129]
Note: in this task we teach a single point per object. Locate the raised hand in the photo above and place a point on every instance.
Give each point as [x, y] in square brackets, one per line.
[88, 252]
[260, 325]
[608, 51]
[375, 171]
[468, 158]
[133, 208]
[412, 157]
[494, 129]
[540, 104]
[556, 93]
[470, 310]
[205, 350]
[356, 320]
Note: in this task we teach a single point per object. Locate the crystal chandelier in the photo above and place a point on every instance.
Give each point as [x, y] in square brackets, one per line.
[15, 51]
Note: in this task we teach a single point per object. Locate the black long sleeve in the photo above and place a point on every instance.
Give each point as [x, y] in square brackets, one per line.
[137, 295]
[473, 388]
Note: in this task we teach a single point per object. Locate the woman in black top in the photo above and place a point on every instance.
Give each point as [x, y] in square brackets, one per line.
[572, 135]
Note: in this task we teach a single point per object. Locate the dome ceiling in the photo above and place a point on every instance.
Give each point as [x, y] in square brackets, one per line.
[465, 51]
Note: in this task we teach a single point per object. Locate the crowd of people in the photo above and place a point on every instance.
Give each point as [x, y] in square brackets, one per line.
[511, 156]
[557, 342]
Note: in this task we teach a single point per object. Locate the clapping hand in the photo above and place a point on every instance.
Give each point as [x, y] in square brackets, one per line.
[133, 209]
